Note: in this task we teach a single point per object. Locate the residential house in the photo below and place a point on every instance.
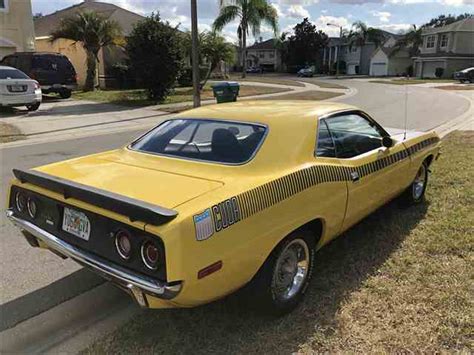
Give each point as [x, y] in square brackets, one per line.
[356, 58]
[265, 55]
[107, 56]
[390, 60]
[449, 47]
[16, 24]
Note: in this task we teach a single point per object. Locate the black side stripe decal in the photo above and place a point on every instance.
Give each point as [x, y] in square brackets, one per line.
[273, 192]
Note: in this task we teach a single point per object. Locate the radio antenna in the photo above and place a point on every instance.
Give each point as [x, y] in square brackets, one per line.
[406, 113]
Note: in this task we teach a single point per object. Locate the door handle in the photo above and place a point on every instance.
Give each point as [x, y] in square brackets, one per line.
[355, 176]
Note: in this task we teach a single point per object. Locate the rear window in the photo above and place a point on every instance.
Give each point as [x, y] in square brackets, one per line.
[206, 140]
[52, 62]
[12, 74]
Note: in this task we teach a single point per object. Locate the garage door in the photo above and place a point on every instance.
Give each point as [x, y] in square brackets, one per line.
[429, 69]
[378, 69]
[351, 69]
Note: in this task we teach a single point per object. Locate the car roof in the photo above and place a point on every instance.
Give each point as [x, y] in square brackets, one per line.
[268, 112]
[7, 67]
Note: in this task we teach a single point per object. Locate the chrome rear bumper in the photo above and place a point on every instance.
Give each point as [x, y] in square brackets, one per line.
[135, 283]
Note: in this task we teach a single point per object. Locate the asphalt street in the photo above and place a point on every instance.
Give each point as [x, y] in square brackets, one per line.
[24, 269]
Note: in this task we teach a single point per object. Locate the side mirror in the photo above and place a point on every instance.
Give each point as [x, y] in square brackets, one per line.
[387, 142]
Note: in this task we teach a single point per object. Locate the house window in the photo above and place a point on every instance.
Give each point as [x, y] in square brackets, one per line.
[430, 41]
[3, 5]
[261, 55]
[354, 49]
[272, 54]
[444, 41]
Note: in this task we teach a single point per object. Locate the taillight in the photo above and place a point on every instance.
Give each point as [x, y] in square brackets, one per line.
[20, 201]
[32, 207]
[150, 255]
[123, 244]
[37, 85]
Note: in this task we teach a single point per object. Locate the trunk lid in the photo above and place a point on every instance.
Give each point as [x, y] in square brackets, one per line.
[161, 188]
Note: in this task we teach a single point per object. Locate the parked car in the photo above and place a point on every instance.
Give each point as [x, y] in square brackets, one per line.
[17, 89]
[305, 73]
[53, 71]
[220, 197]
[254, 70]
[465, 75]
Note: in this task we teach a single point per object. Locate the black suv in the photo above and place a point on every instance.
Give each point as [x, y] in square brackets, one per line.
[53, 71]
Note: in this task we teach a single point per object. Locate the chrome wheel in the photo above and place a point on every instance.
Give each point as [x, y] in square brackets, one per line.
[291, 270]
[419, 183]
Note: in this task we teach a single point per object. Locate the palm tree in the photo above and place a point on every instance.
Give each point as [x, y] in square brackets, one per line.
[361, 34]
[412, 39]
[94, 32]
[251, 14]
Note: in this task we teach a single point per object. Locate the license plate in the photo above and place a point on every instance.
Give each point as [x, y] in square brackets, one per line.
[76, 223]
[17, 88]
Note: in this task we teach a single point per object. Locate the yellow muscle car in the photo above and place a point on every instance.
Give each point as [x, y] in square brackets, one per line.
[221, 197]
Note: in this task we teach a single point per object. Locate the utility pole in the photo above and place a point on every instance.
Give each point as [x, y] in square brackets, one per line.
[195, 54]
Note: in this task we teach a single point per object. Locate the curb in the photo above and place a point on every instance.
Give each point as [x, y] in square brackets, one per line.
[39, 301]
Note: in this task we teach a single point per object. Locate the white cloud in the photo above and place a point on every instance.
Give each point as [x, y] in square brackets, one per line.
[332, 31]
[396, 27]
[278, 10]
[297, 11]
[383, 16]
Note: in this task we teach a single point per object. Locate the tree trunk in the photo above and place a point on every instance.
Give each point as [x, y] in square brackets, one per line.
[91, 69]
[244, 51]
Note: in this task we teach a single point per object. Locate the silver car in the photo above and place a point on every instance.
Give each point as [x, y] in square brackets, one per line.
[17, 89]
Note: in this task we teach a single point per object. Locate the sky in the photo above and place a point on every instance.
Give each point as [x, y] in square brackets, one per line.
[392, 15]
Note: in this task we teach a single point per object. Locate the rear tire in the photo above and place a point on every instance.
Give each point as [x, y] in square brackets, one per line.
[33, 107]
[415, 193]
[65, 94]
[280, 284]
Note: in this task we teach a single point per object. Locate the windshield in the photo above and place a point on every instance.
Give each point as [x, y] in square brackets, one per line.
[207, 140]
[12, 74]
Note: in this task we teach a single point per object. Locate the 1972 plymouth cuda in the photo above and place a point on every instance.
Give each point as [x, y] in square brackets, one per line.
[221, 197]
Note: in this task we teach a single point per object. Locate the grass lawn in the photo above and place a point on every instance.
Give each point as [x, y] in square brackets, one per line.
[138, 97]
[9, 133]
[400, 281]
[456, 87]
[328, 84]
[266, 78]
[306, 95]
[411, 81]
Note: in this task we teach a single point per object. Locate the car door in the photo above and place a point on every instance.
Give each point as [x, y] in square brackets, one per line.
[332, 197]
[374, 173]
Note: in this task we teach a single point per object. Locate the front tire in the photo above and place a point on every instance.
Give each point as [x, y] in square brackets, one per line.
[282, 281]
[415, 193]
[33, 107]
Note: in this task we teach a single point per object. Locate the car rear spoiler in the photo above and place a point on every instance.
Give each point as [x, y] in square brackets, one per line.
[134, 209]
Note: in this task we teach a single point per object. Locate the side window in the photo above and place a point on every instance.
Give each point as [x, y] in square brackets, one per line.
[354, 135]
[325, 144]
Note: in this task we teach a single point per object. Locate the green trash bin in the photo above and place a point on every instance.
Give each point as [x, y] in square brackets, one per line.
[226, 91]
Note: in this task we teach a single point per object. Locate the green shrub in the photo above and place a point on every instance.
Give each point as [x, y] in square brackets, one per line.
[156, 56]
[185, 78]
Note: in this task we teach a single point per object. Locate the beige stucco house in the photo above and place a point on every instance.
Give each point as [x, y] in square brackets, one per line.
[16, 27]
[389, 60]
[449, 47]
[76, 54]
[265, 55]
